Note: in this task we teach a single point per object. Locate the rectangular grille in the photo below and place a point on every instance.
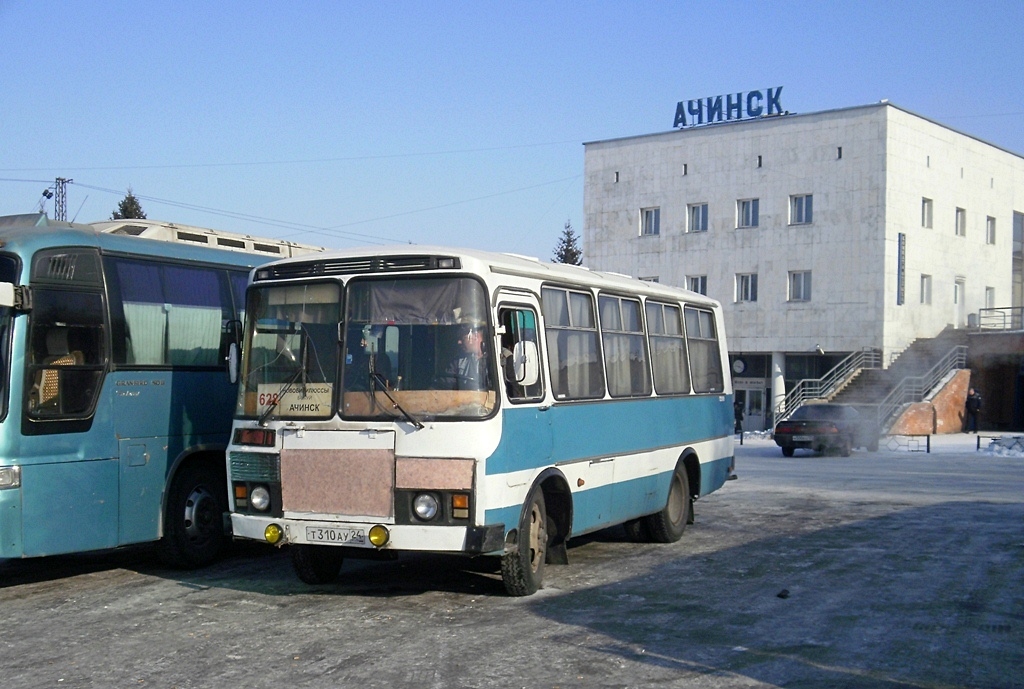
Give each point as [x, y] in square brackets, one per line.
[255, 467]
[359, 265]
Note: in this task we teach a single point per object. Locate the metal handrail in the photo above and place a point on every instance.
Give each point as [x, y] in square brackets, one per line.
[913, 388]
[1002, 318]
[820, 388]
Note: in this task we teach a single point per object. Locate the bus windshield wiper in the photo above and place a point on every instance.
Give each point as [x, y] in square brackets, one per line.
[382, 382]
[301, 371]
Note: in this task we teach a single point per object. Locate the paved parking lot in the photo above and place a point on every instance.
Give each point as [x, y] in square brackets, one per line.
[890, 569]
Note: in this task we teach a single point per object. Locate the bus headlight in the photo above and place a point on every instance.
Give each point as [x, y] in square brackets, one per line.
[425, 506]
[10, 477]
[259, 498]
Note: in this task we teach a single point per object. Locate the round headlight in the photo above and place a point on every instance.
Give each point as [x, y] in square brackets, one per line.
[273, 533]
[425, 506]
[379, 535]
[259, 498]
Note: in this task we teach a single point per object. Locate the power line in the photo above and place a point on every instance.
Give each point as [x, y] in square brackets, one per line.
[333, 231]
[298, 161]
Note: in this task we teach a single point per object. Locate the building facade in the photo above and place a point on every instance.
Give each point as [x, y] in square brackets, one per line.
[821, 233]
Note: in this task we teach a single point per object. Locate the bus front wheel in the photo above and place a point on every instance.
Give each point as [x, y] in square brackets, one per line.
[522, 570]
[317, 564]
[194, 524]
[668, 525]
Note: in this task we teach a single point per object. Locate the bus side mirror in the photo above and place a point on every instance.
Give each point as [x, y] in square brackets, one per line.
[232, 359]
[19, 298]
[234, 337]
[526, 363]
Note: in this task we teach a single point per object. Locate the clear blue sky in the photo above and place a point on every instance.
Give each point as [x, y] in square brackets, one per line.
[344, 123]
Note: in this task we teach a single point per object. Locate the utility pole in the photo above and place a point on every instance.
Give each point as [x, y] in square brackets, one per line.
[60, 203]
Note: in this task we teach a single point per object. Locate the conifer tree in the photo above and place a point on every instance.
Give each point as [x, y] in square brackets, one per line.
[129, 207]
[568, 249]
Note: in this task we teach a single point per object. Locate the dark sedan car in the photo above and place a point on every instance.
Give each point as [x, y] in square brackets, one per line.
[826, 428]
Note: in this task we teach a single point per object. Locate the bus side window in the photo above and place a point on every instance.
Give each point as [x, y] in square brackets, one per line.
[518, 340]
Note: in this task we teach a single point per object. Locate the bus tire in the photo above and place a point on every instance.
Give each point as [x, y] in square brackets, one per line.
[522, 570]
[317, 564]
[194, 520]
[668, 525]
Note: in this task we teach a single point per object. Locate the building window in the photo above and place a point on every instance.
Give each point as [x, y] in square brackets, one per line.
[990, 230]
[961, 222]
[926, 213]
[800, 209]
[990, 297]
[746, 287]
[800, 285]
[747, 213]
[650, 221]
[926, 289]
[697, 283]
[697, 217]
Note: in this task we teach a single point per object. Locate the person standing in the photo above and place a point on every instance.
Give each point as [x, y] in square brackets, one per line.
[737, 410]
[971, 408]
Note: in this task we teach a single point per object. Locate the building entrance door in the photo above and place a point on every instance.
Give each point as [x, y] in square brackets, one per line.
[751, 396]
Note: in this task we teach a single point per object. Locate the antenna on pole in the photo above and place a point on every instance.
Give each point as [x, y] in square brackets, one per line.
[60, 203]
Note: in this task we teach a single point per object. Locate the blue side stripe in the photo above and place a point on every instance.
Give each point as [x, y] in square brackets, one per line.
[532, 438]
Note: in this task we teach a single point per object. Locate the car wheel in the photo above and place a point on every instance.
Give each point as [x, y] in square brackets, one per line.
[194, 530]
[787, 452]
[522, 570]
[668, 525]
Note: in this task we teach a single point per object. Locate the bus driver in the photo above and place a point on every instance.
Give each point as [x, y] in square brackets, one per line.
[469, 369]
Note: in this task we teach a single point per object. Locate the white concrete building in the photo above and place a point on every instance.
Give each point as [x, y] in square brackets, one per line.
[827, 232]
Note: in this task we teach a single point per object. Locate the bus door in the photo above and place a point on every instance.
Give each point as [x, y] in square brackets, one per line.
[70, 487]
[526, 427]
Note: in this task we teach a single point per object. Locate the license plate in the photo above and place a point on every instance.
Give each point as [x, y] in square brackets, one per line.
[803, 438]
[325, 534]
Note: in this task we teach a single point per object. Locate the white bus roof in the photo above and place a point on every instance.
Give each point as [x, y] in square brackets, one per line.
[201, 236]
[359, 262]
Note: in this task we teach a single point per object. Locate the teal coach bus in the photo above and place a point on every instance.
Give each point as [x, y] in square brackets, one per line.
[419, 399]
[115, 399]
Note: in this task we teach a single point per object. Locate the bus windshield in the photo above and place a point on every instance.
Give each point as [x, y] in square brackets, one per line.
[419, 347]
[290, 352]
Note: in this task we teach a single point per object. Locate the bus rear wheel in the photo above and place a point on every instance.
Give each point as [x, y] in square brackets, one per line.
[194, 522]
[668, 525]
[522, 570]
[317, 564]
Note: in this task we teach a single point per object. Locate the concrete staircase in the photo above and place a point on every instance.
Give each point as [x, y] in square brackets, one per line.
[874, 387]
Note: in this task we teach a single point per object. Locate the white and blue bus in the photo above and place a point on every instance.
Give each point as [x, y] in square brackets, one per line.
[115, 402]
[423, 399]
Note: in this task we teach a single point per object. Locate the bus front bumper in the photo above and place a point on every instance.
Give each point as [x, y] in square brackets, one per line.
[474, 540]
